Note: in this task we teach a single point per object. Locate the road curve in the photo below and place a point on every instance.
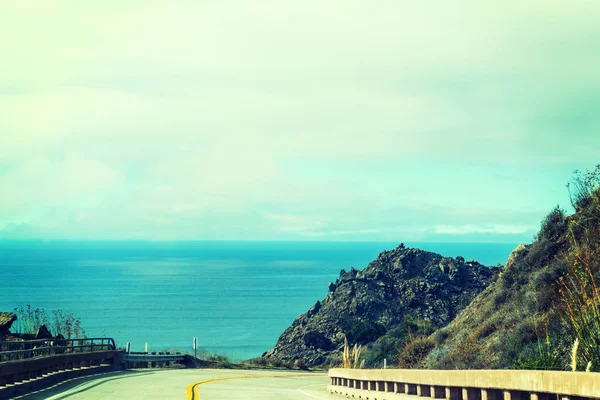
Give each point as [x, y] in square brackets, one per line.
[191, 384]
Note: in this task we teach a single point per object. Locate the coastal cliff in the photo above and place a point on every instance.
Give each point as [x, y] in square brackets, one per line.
[403, 289]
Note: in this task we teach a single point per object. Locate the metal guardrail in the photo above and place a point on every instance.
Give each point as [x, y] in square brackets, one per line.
[15, 350]
[145, 357]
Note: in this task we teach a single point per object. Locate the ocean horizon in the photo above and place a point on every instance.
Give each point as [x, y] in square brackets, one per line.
[237, 297]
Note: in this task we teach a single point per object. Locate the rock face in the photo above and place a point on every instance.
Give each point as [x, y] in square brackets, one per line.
[514, 255]
[363, 305]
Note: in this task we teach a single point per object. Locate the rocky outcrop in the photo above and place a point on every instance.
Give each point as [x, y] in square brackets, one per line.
[363, 305]
[514, 255]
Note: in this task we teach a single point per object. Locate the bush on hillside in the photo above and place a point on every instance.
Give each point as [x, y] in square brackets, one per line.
[414, 352]
[387, 346]
[470, 353]
[553, 225]
[541, 355]
[364, 332]
[384, 348]
[583, 186]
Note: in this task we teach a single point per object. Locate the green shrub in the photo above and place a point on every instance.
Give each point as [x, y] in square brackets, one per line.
[383, 348]
[469, 353]
[414, 352]
[541, 355]
[553, 225]
[364, 332]
[220, 360]
[436, 356]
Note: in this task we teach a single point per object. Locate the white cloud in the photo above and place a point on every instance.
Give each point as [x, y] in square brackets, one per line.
[496, 229]
[153, 111]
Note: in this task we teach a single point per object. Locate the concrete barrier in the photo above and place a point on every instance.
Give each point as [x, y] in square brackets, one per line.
[390, 384]
[22, 376]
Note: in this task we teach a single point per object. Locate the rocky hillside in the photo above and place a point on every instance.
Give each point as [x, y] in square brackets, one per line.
[402, 290]
[545, 299]
[421, 310]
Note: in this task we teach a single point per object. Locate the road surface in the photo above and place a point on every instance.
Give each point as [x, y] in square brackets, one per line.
[191, 384]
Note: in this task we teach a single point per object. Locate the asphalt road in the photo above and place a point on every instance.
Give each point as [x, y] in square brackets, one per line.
[193, 384]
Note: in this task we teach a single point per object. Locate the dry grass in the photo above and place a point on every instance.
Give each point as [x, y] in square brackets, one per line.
[574, 355]
[579, 289]
[414, 352]
[350, 358]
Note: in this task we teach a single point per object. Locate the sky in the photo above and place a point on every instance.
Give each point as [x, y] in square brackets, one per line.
[294, 120]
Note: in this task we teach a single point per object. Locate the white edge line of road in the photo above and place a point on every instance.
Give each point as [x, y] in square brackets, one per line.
[309, 394]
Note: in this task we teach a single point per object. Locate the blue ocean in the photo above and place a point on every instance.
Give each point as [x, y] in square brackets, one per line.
[236, 297]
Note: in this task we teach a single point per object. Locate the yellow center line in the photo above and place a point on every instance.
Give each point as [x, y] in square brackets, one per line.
[191, 389]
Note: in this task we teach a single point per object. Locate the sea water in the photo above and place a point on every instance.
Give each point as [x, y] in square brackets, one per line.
[236, 297]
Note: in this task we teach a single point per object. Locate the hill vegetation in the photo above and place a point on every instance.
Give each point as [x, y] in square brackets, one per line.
[545, 300]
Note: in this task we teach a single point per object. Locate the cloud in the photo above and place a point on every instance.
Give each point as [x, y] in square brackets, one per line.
[164, 121]
[497, 229]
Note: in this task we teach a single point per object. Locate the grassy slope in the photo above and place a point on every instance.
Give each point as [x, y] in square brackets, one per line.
[520, 321]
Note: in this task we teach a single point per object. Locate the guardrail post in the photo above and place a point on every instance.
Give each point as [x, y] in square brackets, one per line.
[491, 394]
[514, 395]
[539, 396]
[472, 394]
